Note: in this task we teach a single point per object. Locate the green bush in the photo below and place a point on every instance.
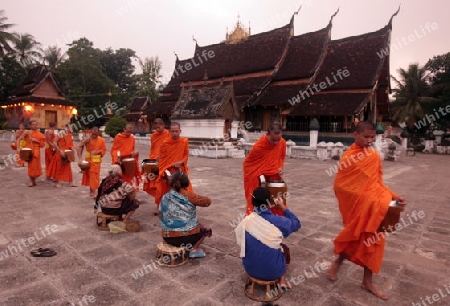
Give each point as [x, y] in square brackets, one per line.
[114, 126]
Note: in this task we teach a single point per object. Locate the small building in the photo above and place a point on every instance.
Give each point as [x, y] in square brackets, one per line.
[137, 115]
[39, 98]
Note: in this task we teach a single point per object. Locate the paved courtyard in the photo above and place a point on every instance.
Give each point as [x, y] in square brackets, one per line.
[93, 267]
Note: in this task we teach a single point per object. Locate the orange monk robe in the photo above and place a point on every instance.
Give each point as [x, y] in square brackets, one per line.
[171, 151]
[21, 145]
[363, 202]
[91, 177]
[34, 166]
[125, 145]
[156, 141]
[62, 170]
[49, 153]
[263, 159]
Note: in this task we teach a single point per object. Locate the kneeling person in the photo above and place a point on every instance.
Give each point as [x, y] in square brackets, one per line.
[115, 196]
[260, 236]
[178, 215]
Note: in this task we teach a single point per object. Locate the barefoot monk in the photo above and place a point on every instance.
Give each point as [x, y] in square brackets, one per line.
[363, 202]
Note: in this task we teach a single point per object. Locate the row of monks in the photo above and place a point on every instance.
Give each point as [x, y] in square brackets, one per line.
[358, 187]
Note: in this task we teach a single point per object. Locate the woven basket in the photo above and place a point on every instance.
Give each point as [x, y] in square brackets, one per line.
[133, 226]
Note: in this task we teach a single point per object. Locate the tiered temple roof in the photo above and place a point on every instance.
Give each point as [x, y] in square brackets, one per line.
[137, 108]
[271, 68]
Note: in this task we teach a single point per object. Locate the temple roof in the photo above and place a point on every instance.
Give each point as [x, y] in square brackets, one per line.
[139, 104]
[330, 104]
[227, 60]
[137, 108]
[304, 54]
[358, 55]
[35, 77]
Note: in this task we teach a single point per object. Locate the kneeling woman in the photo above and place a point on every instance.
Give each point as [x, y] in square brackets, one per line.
[115, 196]
[178, 216]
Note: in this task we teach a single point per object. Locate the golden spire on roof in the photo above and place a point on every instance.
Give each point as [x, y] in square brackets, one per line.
[238, 34]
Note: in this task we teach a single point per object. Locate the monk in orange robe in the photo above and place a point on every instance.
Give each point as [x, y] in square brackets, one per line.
[157, 138]
[50, 148]
[173, 156]
[21, 144]
[95, 150]
[34, 140]
[124, 147]
[363, 203]
[60, 167]
[265, 158]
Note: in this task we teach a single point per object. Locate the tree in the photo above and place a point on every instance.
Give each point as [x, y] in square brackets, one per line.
[411, 94]
[25, 50]
[114, 126]
[439, 67]
[52, 56]
[85, 82]
[149, 80]
[11, 75]
[5, 37]
[118, 66]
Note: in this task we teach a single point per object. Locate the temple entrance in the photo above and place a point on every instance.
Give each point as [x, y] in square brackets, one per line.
[227, 130]
[50, 116]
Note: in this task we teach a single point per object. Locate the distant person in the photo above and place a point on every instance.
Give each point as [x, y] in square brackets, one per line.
[156, 140]
[60, 167]
[20, 144]
[363, 202]
[178, 216]
[260, 236]
[265, 158]
[95, 150]
[124, 147]
[173, 156]
[34, 140]
[50, 148]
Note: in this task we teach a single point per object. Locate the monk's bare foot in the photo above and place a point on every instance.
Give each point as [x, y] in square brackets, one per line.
[332, 271]
[31, 184]
[374, 290]
[57, 185]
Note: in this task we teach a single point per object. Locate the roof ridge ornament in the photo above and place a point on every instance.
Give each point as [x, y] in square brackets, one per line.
[295, 13]
[332, 16]
[395, 14]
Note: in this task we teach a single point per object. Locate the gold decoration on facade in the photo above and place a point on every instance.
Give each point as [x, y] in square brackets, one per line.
[238, 34]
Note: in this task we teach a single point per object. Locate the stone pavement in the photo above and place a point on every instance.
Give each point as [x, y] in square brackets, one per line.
[93, 267]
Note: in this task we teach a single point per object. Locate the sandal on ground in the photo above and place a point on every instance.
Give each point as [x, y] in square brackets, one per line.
[197, 254]
[43, 252]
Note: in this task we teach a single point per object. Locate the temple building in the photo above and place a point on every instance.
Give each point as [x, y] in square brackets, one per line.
[40, 98]
[137, 115]
[276, 75]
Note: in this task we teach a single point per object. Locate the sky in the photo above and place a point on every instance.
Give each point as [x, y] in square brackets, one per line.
[163, 28]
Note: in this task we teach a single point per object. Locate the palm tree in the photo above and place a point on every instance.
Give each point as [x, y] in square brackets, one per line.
[25, 49]
[411, 95]
[5, 37]
[52, 56]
